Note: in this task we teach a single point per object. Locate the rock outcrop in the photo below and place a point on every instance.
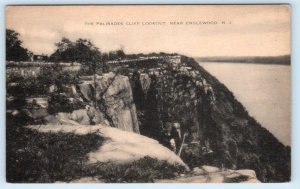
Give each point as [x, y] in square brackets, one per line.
[119, 146]
[112, 95]
[209, 174]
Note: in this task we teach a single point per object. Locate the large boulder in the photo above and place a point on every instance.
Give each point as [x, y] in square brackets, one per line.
[114, 96]
[119, 146]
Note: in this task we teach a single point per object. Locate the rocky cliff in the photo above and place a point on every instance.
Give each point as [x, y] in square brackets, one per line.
[218, 129]
[112, 95]
[180, 105]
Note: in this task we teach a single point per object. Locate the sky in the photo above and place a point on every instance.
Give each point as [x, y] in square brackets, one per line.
[249, 30]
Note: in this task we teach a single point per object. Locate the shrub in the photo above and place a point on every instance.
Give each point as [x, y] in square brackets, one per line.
[144, 170]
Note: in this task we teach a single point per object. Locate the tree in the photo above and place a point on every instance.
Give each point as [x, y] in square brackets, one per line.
[82, 51]
[14, 49]
[116, 55]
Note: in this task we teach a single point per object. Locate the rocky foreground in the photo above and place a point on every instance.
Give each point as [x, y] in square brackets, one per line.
[123, 147]
[119, 146]
[210, 174]
[204, 174]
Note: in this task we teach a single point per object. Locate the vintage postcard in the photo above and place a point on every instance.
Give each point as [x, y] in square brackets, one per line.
[148, 94]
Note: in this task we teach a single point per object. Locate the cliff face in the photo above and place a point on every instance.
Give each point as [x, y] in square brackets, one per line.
[112, 96]
[218, 129]
[239, 141]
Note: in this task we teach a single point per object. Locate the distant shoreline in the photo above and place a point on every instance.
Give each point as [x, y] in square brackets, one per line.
[274, 60]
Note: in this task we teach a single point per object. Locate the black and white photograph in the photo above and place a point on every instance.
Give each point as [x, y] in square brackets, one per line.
[148, 93]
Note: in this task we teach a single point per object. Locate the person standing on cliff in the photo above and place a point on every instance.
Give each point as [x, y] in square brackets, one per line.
[170, 137]
[176, 134]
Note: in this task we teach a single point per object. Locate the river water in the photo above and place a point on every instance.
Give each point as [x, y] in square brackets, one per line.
[263, 89]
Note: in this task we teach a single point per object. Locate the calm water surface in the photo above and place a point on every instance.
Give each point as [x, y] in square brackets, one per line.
[263, 89]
